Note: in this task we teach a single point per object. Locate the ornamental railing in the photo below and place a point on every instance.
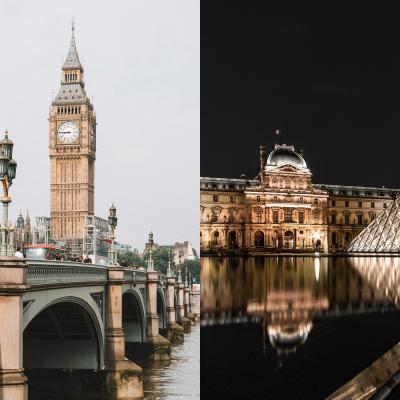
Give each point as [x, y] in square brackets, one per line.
[42, 272]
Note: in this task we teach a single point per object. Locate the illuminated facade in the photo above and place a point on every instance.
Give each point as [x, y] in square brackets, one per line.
[282, 209]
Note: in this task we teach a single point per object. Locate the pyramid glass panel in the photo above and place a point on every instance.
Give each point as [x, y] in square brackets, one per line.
[382, 235]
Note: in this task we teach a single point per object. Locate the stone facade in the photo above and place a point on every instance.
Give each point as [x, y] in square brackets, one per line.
[72, 144]
[281, 209]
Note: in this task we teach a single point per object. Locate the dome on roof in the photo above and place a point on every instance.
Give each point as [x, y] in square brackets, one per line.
[283, 154]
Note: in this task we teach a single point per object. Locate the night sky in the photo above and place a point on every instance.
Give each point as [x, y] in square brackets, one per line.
[328, 78]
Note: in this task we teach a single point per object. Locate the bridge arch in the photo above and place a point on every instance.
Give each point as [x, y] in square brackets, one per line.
[161, 311]
[133, 316]
[65, 333]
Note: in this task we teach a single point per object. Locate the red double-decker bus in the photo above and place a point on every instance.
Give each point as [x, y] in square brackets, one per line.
[44, 252]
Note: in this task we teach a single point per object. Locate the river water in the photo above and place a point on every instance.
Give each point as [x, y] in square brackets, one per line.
[298, 327]
[178, 378]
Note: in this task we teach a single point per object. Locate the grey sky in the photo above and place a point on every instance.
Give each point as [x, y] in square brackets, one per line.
[142, 67]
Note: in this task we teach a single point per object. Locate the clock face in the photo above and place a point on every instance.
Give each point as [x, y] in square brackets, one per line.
[68, 132]
[92, 136]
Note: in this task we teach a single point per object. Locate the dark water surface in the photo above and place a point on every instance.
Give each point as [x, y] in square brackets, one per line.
[294, 327]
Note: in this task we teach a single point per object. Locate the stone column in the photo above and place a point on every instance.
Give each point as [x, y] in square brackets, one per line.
[123, 377]
[188, 311]
[183, 321]
[192, 307]
[160, 348]
[175, 331]
[13, 382]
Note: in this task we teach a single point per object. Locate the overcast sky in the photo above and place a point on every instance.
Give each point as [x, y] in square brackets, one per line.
[141, 60]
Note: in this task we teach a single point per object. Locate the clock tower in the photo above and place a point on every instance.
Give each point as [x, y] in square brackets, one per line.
[72, 146]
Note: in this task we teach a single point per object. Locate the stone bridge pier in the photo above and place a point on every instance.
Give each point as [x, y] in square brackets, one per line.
[13, 382]
[124, 378]
[160, 347]
[183, 320]
[175, 331]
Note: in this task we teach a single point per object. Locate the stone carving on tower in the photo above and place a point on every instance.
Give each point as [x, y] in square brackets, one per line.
[72, 146]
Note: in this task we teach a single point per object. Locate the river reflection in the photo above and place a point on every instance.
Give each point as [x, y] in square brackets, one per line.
[290, 297]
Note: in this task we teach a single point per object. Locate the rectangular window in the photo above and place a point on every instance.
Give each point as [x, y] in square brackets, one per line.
[301, 217]
[232, 199]
[259, 216]
[372, 204]
[215, 198]
[275, 218]
[346, 203]
[372, 216]
[347, 219]
[359, 219]
[333, 202]
[360, 204]
[333, 219]
[288, 215]
[384, 205]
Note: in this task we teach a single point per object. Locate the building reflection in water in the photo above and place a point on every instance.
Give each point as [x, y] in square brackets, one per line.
[285, 294]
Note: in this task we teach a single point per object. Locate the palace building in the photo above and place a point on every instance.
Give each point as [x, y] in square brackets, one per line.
[282, 209]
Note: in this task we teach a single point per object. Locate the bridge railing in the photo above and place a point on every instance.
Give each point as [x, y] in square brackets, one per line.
[42, 272]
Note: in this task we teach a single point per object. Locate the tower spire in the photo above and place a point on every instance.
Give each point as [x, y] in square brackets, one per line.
[72, 60]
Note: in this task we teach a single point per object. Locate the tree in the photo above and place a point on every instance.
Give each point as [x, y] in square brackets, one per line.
[193, 267]
[161, 257]
[130, 259]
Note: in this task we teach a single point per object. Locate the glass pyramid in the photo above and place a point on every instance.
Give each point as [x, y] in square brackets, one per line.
[382, 235]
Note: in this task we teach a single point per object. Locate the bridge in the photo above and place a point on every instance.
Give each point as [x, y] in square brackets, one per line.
[69, 316]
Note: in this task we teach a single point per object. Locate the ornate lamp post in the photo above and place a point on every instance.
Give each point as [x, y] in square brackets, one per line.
[8, 169]
[186, 277]
[112, 221]
[169, 270]
[179, 270]
[150, 262]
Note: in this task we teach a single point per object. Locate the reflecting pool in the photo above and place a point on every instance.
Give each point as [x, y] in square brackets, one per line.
[296, 327]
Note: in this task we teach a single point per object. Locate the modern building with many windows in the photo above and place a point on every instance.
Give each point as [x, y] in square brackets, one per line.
[282, 209]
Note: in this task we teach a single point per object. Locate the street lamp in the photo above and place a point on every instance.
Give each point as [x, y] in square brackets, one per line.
[112, 221]
[169, 270]
[8, 169]
[150, 262]
[179, 270]
[186, 277]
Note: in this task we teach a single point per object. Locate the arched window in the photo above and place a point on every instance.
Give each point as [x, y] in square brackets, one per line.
[258, 239]
[215, 238]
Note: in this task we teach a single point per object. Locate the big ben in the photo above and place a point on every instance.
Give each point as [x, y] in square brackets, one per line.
[72, 146]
